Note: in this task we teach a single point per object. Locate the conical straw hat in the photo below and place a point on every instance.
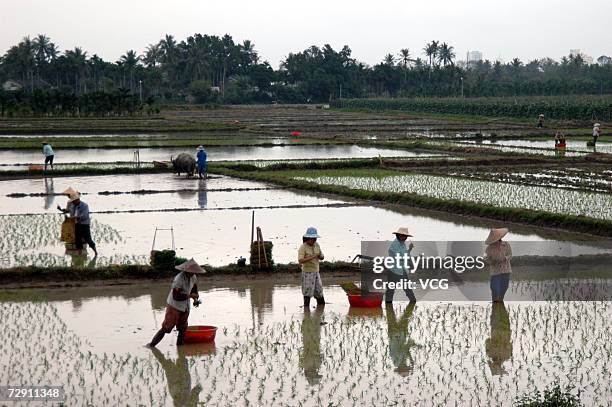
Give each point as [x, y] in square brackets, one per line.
[496, 234]
[191, 266]
[69, 191]
[402, 231]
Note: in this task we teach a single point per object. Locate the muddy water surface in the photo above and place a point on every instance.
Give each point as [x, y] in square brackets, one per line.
[434, 352]
[579, 145]
[212, 226]
[226, 153]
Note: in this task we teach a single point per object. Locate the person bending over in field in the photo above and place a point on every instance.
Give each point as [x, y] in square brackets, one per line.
[82, 228]
[177, 305]
[49, 154]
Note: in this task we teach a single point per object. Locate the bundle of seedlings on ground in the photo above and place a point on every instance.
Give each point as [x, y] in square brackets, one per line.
[350, 288]
[163, 259]
[261, 255]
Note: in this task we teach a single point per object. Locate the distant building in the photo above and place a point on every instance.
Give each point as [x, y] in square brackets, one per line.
[11, 86]
[473, 58]
[586, 58]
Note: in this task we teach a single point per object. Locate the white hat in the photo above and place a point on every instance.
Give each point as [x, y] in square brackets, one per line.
[596, 125]
[200, 148]
[69, 191]
[311, 233]
[496, 234]
[402, 231]
[191, 266]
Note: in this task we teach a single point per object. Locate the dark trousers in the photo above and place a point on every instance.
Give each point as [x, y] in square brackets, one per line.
[83, 233]
[499, 285]
[202, 170]
[392, 277]
[49, 160]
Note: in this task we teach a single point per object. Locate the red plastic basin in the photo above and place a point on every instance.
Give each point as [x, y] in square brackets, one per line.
[367, 301]
[200, 333]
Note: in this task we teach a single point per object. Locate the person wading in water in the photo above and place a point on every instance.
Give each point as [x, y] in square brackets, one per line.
[177, 305]
[309, 255]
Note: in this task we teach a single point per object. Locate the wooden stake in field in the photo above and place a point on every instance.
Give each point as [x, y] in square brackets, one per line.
[261, 247]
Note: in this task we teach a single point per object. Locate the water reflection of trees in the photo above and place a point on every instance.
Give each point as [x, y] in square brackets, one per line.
[499, 344]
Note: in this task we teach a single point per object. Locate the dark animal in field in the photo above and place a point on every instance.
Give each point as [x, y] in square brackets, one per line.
[183, 163]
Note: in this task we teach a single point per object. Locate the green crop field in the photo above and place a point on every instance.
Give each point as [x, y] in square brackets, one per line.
[500, 194]
[597, 108]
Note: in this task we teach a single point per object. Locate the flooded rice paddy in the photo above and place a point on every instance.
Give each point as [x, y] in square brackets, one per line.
[498, 194]
[593, 179]
[215, 153]
[268, 351]
[577, 145]
[211, 220]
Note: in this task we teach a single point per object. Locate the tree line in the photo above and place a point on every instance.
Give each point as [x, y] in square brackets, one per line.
[212, 69]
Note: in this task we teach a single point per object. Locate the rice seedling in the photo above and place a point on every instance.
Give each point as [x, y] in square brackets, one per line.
[559, 201]
[492, 354]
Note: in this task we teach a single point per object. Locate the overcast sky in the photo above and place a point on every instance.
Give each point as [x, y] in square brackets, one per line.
[526, 29]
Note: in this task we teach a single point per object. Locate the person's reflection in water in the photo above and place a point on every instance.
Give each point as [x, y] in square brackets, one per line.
[202, 194]
[179, 379]
[50, 193]
[399, 340]
[499, 345]
[311, 357]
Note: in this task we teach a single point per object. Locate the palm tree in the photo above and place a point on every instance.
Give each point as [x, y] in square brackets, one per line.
[249, 54]
[446, 54]
[129, 61]
[77, 60]
[153, 55]
[96, 65]
[42, 48]
[389, 60]
[419, 63]
[25, 53]
[431, 51]
[405, 59]
[170, 56]
[168, 46]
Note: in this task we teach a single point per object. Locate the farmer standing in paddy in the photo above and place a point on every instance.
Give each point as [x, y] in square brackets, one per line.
[48, 153]
[498, 255]
[596, 133]
[82, 228]
[309, 255]
[396, 274]
[201, 162]
[177, 309]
